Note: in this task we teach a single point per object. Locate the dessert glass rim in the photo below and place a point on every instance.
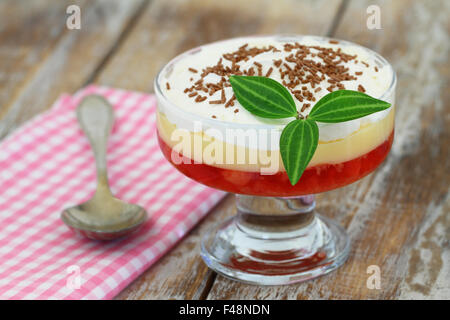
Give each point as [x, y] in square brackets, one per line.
[282, 37]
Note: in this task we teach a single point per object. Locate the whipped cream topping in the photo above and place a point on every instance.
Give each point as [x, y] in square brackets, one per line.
[370, 74]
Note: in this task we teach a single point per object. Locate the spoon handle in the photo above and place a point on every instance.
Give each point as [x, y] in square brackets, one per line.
[95, 116]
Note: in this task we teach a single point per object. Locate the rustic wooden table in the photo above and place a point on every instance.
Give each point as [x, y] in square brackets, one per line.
[398, 217]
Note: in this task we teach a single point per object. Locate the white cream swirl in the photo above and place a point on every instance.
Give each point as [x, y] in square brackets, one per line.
[376, 79]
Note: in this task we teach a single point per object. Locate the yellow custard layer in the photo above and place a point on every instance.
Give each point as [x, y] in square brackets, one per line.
[203, 148]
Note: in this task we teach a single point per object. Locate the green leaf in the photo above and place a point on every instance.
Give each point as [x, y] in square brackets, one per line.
[298, 142]
[345, 105]
[263, 97]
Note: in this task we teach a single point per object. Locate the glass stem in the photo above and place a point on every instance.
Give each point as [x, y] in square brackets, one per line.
[274, 217]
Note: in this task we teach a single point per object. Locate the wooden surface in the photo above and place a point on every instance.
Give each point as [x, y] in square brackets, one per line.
[398, 217]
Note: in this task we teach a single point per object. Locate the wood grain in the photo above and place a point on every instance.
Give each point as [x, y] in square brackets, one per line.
[27, 35]
[398, 217]
[165, 30]
[41, 58]
[169, 28]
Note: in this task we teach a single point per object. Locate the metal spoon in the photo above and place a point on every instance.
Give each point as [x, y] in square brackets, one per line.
[103, 217]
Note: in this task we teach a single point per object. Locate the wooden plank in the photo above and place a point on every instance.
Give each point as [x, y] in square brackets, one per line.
[41, 58]
[398, 217]
[428, 257]
[169, 28]
[166, 29]
[25, 39]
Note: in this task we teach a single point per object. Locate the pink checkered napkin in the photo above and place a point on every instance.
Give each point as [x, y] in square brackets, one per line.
[47, 165]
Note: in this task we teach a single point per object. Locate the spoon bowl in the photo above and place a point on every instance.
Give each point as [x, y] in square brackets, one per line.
[103, 217]
[115, 220]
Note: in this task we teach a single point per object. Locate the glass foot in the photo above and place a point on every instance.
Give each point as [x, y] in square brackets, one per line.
[275, 241]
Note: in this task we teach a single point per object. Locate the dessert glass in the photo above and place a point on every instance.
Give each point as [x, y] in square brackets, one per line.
[276, 237]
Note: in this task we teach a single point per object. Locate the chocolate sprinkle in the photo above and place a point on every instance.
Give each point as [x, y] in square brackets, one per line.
[297, 71]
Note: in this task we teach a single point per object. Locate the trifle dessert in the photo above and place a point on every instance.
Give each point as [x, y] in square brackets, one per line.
[210, 137]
